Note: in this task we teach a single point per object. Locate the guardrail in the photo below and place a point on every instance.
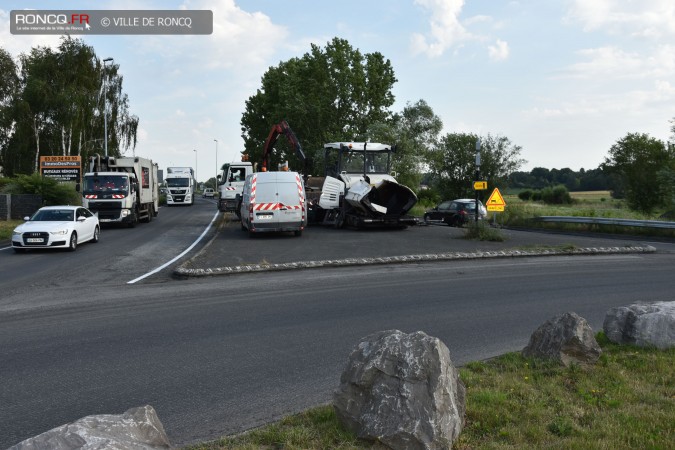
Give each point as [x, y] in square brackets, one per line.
[607, 221]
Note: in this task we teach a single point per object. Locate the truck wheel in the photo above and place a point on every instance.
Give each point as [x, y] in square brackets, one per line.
[134, 219]
[298, 233]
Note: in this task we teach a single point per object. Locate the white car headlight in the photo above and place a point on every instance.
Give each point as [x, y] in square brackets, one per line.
[16, 233]
[59, 232]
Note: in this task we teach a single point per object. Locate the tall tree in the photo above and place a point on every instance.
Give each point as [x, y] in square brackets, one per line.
[329, 94]
[453, 162]
[58, 107]
[637, 158]
[9, 88]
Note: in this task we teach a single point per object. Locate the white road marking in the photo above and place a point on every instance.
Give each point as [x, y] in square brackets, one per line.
[163, 266]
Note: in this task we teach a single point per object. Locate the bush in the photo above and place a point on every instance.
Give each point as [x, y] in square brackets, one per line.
[536, 196]
[483, 232]
[52, 192]
[428, 197]
[558, 195]
[525, 195]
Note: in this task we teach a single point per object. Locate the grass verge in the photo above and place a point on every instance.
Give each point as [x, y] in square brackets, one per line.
[6, 228]
[626, 401]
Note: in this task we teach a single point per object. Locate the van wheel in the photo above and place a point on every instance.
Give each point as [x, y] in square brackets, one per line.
[298, 233]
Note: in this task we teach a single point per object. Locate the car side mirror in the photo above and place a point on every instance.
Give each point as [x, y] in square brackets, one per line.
[81, 219]
[26, 219]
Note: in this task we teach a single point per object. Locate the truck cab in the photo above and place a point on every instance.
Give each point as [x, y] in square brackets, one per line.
[231, 185]
[181, 185]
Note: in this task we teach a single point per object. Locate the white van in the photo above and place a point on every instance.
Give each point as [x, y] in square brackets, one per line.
[274, 201]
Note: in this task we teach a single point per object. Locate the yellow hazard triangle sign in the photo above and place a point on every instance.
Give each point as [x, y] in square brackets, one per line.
[496, 201]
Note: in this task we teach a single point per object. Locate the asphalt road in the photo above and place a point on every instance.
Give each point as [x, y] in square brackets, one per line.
[223, 354]
[31, 279]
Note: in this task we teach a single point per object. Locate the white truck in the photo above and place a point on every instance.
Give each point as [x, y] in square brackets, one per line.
[121, 190]
[181, 186]
[231, 185]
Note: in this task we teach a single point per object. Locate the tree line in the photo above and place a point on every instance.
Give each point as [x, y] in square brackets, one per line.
[52, 103]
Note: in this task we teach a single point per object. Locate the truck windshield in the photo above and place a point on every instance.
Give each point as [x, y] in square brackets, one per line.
[106, 183]
[178, 182]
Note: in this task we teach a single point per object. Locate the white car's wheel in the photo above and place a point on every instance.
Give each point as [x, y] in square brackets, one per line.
[73, 242]
[97, 235]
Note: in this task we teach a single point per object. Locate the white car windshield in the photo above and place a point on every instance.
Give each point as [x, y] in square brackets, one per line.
[54, 215]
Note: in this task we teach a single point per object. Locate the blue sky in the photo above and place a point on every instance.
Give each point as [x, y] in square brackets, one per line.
[563, 79]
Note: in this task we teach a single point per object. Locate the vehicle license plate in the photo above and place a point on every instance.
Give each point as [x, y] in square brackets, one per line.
[35, 240]
[264, 216]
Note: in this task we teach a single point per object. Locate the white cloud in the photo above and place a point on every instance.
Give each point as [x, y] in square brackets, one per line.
[499, 51]
[647, 18]
[240, 40]
[614, 63]
[631, 102]
[17, 44]
[446, 29]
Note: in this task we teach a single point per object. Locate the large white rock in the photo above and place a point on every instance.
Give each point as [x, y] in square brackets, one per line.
[403, 391]
[642, 324]
[566, 338]
[138, 428]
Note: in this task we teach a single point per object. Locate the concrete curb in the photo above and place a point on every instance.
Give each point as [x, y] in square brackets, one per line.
[248, 268]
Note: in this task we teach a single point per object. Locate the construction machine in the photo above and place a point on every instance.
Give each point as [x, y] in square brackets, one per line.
[359, 190]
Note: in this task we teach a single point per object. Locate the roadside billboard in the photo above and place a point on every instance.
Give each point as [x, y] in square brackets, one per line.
[61, 168]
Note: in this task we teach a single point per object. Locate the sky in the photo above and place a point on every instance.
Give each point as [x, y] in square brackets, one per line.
[562, 79]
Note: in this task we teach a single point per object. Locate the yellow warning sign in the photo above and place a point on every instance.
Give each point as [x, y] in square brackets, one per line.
[496, 201]
[480, 185]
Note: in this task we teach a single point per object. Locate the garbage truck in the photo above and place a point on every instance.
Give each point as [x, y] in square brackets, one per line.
[121, 190]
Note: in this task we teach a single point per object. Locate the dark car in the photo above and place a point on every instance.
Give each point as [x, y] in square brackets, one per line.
[455, 212]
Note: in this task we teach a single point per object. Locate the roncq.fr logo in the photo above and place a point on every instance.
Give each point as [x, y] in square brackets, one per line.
[29, 18]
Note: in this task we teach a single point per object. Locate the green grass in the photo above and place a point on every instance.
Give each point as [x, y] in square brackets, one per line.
[626, 401]
[6, 228]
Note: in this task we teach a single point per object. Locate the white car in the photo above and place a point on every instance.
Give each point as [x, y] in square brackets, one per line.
[209, 193]
[57, 227]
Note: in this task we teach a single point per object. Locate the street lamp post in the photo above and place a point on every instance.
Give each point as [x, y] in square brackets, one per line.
[105, 105]
[216, 181]
[477, 177]
[195, 164]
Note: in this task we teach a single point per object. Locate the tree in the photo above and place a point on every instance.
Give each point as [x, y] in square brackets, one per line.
[452, 162]
[57, 107]
[414, 131]
[9, 86]
[330, 94]
[637, 158]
